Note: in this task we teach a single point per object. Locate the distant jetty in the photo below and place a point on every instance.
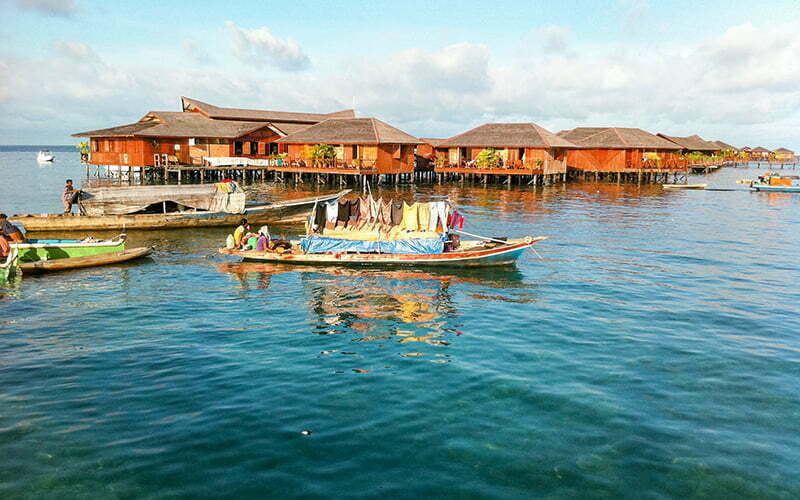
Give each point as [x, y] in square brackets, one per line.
[206, 143]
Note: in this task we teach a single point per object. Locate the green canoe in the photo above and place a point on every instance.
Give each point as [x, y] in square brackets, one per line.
[35, 250]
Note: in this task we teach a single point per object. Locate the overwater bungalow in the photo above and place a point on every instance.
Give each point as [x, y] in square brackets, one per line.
[357, 146]
[692, 144]
[505, 149]
[620, 150]
[760, 153]
[197, 135]
[784, 154]
[724, 146]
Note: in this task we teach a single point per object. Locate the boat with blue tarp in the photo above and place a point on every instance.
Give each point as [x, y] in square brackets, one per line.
[368, 231]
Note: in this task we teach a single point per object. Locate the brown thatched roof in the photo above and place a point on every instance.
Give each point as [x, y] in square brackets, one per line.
[350, 131]
[216, 112]
[691, 143]
[784, 151]
[518, 135]
[178, 124]
[724, 145]
[433, 142]
[616, 138]
[759, 149]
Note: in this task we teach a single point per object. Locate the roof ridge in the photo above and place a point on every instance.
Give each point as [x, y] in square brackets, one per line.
[621, 139]
[375, 129]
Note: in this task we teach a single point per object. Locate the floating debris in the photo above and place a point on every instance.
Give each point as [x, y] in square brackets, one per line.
[414, 354]
[360, 370]
[327, 352]
[305, 432]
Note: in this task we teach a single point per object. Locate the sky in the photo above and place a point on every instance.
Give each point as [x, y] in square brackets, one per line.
[727, 71]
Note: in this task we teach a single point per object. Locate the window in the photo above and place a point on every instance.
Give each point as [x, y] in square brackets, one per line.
[272, 148]
[253, 148]
[95, 144]
[106, 146]
[521, 154]
[396, 152]
[237, 148]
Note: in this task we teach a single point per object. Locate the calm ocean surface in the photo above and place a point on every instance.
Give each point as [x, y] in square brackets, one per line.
[653, 353]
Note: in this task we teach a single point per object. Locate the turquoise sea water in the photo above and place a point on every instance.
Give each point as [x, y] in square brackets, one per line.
[653, 353]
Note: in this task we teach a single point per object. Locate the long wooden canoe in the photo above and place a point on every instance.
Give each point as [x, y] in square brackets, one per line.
[471, 253]
[49, 266]
[289, 211]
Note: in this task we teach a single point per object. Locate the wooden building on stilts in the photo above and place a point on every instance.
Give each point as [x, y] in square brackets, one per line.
[201, 141]
[622, 154]
[503, 152]
[361, 149]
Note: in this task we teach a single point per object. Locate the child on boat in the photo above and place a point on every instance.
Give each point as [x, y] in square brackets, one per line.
[70, 196]
[8, 233]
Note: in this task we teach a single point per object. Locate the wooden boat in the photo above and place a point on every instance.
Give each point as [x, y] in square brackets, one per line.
[169, 208]
[49, 266]
[34, 250]
[684, 186]
[9, 267]
[470, 253]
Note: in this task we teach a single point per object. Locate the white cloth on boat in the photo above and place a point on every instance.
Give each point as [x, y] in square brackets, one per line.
[438, 212]
[332, 210]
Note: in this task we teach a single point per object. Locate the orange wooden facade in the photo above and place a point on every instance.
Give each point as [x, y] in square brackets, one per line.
[620, 160]
[140, 152]
[363, 158]
[522, 161]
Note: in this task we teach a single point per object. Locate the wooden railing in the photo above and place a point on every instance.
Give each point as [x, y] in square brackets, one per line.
[333, 164]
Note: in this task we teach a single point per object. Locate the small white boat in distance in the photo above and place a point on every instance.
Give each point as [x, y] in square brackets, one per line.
[684, 186]
[45, 156]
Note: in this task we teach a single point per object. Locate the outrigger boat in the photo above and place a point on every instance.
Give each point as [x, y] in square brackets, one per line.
[432, 242]
[161, 207]
[773, 182]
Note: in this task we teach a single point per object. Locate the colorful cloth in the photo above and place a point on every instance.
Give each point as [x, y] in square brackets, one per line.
[397, 212]
[386, 212]
[237, 235]
[344, 211]
[410, 216]
[438, 216]
[331, 211]
[424, 215]
[363, 208]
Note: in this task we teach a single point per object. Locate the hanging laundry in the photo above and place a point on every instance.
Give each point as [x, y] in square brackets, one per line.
[410, 220]
[374, 208]
[320, 216]
[456, 220]
[343, 215]
[438, 221]
[354, 210]
[397, 212]
[424, 216]
[363, 208]
[386, 211]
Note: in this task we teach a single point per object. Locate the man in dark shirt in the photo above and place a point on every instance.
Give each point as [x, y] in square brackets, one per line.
[8, 233]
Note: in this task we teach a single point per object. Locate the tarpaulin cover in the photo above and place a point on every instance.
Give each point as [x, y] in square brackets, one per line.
[319, 244]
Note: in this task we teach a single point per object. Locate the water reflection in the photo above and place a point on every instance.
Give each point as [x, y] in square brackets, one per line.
[416, 310]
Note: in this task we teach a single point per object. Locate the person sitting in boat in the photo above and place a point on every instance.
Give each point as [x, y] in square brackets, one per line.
[242, 234]
[70, 196]
[8, 233]
[263, 242]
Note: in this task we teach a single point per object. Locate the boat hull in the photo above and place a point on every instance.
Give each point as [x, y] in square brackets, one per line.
[293, 211]
[684, 186]
[775, 188]
[501, 255]
[47, 250]
[67, 264]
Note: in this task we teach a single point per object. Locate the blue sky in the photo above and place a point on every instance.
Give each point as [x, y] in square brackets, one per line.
[725, 70]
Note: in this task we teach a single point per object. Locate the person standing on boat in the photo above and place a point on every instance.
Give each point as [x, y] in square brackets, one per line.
[70, 196]
[8, 233]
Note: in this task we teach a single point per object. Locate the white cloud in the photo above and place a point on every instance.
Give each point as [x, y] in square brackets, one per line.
[737, 86]
[57, 8]
[195, 52]
[259, 46]
[554, 38]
